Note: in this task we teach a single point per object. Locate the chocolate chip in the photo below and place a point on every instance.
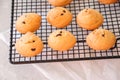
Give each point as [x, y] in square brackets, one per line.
[62, 14]
[23, 22]
[33, 41]
[60, 31]
[58, 35]
[103, 35]
[64, 11]
[33, 49]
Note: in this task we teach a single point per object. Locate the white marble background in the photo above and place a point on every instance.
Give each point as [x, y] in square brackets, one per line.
[78, 70]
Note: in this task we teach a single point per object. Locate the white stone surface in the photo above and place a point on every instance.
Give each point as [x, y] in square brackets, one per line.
[78, 70]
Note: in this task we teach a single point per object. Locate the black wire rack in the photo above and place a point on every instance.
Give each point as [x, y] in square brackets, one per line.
[81, 51]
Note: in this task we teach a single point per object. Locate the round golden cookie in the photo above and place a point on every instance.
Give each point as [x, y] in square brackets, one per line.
[28, 22]
[108, 1]
[59, 17]
[29, 45]
[59, 2]
[101, 39]
[90, 19]
[61, 40]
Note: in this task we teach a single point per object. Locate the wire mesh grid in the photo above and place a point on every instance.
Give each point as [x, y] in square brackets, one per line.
[81, 51]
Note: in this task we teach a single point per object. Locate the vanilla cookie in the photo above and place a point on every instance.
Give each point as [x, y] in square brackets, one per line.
[108, 1]
[29, 45]
[59, 17]
[61, 40]
[59, 2]
[28, 22]
[101, 39]
[90, 19]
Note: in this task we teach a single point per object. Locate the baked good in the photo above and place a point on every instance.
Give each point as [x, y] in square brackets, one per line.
[61, 40]
[89, 19]
[108, 1]
[59, 2]
[28, 22]
[29, 45]
[59, 17]
[101, 39]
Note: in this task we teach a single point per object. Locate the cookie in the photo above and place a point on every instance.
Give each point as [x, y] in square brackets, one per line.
[59, 17]
[59, 3]
[101, 39]
[90, 19]
[108, 1]
[29, 45]
[61, 40]
[28, 22]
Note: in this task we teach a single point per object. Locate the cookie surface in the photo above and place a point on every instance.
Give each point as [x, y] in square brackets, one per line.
[28, 22]
[108, 1]
[29, 45]
[89, 19]
[59, 3]
[59, 17]
[61, 40]
[101, 39]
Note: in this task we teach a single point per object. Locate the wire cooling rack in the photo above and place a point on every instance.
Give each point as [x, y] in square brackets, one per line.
[81, 51]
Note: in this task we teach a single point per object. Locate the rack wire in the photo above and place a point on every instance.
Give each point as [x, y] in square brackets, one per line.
[81, 51]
